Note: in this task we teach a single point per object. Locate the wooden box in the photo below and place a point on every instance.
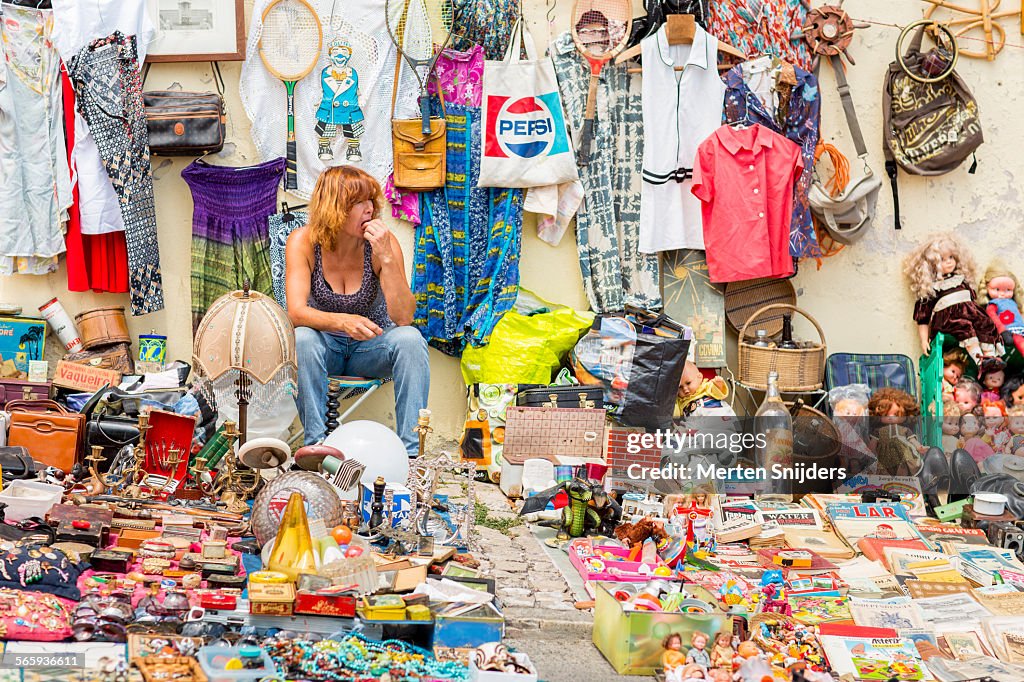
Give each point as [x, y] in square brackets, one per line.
[313, 604]
[271, 599]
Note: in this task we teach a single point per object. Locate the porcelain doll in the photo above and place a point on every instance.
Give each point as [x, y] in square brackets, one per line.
[1013, 391]
[967, 395]
[698, 650]
[941, 275]
[849, 412]
[993, 414]
[970, 438]
[672, 660]
[954, 364]
[722, 653]
[896, 446]
[950, 427]
[1000, 292]
[991, 376]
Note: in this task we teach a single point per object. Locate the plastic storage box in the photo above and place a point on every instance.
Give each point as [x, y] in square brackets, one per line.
[214, 659]
[25, 499]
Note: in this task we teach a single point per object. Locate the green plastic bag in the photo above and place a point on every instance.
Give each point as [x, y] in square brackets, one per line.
[528, 345]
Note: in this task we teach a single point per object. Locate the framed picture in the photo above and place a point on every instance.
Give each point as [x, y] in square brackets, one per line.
[197, 30]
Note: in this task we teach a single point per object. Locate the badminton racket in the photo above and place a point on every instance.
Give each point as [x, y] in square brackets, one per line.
[600, 29]
[290, 47]
[420, 30]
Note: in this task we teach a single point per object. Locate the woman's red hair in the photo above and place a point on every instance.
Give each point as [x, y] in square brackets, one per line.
[337, 191]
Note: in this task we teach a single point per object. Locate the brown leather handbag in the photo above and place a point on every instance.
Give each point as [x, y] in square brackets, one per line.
[51, 434]
[185, 123]
[15, 389]
[419, 158]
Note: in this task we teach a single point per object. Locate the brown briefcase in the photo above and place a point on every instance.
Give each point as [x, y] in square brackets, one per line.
[50, 433]
[16, 389]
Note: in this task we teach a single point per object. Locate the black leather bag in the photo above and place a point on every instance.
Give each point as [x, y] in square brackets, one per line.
[111, 434]
[185, 123]
[32, 527]
[17, 463]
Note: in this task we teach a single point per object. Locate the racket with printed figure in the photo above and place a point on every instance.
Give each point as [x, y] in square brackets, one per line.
[600, 29]
[290, 45]
[420, 29]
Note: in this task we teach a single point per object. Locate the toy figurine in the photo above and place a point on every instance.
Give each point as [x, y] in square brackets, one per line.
[950, 427]
[967, 395]
[672, 660]
[1015, 425]
[701, 397]
[1013, 391]
[1000, 292]
[991, 375]
[722, 652]
[970, 438]
[339, 107]
[994, 415]
[941, 273]
[578, 517]
[954, 364]
[698, 650]
[896, 446]
[849, 411]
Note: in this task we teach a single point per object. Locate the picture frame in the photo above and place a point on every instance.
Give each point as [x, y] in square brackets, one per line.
[197, 30]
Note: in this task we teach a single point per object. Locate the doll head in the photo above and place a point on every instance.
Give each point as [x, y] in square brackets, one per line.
[954, 364]
[698, 640]
[723, 640]
[931, 262]
[892, 405]
[1012, 392]
[690, 381]
[967, 394]
[950, 418]
[693, 672]
[999, 282]
[1015, 419]
[849, 401]
[748, 649]
[994, 414]
[719, 675]
[674, 642]
[970, 425]
[992, 374]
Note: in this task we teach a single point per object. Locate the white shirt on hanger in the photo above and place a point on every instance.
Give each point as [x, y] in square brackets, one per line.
[681, 109]
[76, 23]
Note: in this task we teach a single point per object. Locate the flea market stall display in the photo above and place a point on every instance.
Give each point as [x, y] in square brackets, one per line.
[733, 479]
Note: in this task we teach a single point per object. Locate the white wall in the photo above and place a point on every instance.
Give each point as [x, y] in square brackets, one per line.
[858, 296]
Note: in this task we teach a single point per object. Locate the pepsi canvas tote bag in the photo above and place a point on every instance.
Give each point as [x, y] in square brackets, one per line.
[526, 142]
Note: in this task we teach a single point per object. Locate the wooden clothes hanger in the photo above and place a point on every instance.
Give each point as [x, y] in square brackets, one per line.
[680, 29]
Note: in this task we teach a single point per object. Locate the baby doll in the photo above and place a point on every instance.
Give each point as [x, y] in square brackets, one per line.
[1013, 391]
[722, 653]
[970, 438]
[719, 675]
[693, 673]
[1000, 292]
[849, 411]
[950, 427]
[896, 446]
[992, 375]
[701, 397]
[673, 660]
[994, 415]
[698, 650]
[967, 395]
[954, 364]
[941, 274]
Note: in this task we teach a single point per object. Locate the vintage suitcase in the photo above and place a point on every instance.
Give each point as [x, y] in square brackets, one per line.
[586, 397]
[50, 433]
[117, 356]
[14, 389]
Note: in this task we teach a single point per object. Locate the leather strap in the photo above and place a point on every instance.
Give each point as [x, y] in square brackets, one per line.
[851, 113]
[36, 406]
[891, 169]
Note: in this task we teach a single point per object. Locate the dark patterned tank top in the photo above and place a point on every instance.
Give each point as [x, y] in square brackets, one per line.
[368, 301]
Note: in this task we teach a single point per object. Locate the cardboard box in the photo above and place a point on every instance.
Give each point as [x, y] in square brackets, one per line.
[83, 377]
[21, 339]
[631, 640]
[313, 604]
[271, 599]
[401, 505]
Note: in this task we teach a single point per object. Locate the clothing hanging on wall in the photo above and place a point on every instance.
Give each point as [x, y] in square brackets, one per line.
[486, 23]
[682, 99]
[108, 86]
[615, 273]
[34, 174]
[230, 229]
[280, 228]
[466, 258]
[756, 93]
[762, 26]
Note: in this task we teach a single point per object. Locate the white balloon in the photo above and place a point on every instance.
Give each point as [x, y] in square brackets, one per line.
[376, 447]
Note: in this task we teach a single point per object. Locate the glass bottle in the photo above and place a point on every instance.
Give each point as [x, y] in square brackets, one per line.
[762, 339]
[773, 452]
[787, 333]
[293, 549]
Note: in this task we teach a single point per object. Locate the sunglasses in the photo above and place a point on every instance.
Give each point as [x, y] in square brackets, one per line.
[96, 630]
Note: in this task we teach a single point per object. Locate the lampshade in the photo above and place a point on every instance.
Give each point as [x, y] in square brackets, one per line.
[247, 331]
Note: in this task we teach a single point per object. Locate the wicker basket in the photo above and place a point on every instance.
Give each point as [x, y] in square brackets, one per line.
[799, 369]
[745, 299]
[756, 634]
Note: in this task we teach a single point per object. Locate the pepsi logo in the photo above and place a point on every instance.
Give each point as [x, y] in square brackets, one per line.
[525, 127]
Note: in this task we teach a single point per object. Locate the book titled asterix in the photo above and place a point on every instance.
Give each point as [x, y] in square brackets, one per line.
[875, 658]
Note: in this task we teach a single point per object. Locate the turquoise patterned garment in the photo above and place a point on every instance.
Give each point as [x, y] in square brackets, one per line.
[466, 258]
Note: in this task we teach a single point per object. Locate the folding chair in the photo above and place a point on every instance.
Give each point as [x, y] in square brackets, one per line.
[877, 371]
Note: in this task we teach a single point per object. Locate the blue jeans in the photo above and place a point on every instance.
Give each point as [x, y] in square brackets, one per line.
[400, 353]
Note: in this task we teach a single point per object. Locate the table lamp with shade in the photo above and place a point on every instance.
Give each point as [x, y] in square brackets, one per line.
[249, 334]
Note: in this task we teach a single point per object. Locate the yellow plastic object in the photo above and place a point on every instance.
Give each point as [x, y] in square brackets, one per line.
[234, 664]
[383, 608]
[268, 577]
[293, 549]
[418, 612]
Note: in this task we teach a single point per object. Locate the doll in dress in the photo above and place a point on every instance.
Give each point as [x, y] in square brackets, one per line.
[673, 661]
[993, 412]
[954, 364]
[896, 446]
[971, 430]
[698, 652]
[1000, 293]
[992, 376]
[1012, 391]
[941, 275]
[722, 652]
[1015, 425]
[950, 427]
[967, 395]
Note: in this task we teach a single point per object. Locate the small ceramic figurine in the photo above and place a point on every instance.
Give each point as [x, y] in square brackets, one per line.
[722, 652]
[950, 427]
[1000, 292]
[954, 364]
[941, 274]
[967, 395]
[897, 447]
[994, 414]
[991, 375]
[672, 659]
[698, 650]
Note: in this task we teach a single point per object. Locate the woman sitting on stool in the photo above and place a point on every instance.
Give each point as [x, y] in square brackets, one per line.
[351, 304]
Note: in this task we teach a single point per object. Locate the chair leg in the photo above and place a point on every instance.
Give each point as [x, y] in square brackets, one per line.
[333, 403]
[359, 401]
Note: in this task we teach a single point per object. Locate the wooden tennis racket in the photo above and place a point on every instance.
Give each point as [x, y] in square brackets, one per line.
[600, 30]
[290, 46]
[420, 29]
